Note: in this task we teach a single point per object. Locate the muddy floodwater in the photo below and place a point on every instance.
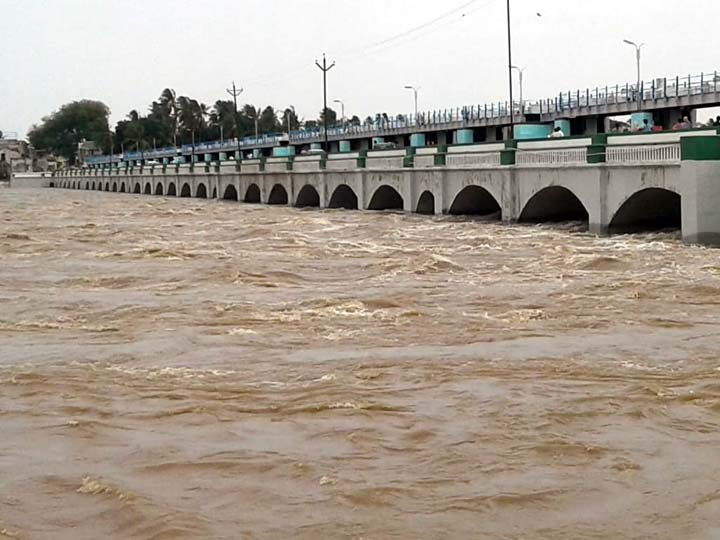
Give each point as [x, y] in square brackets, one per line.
[192, 369]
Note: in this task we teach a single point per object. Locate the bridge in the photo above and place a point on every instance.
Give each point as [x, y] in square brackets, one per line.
[579, 112]
[616, 183]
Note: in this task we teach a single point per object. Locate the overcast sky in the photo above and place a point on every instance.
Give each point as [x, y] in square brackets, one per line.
[124, 52]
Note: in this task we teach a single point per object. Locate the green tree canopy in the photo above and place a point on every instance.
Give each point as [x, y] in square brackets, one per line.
[64, 129]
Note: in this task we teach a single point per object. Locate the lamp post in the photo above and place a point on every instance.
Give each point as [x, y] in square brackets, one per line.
[510, 77]
[235, 92]
[342, 108]
[638, 48]
[415, 94]
[520, 76]
[325, 68]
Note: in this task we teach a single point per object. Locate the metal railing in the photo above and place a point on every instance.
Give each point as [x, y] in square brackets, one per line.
[644, 153]
[478, 158]
[551, 156]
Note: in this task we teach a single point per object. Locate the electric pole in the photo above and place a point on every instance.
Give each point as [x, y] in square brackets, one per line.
[325, 68]
[512, 107]
[235, 93]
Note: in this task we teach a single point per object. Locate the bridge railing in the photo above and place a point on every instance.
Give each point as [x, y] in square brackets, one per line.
[644, 153]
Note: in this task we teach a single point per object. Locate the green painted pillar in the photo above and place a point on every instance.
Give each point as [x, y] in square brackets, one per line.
[700, 196]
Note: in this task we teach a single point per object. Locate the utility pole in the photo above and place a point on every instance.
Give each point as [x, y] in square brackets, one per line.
[512, 108]
[638, 48]
[325, 68]
[235, 93]
[520, 75]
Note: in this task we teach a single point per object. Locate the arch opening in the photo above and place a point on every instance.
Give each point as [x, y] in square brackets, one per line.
[553, 204]
[278, 195]
[122, 187]
[52, 184]
[475, 201]
[185, 190]
[386, 198]
[171, 189]
[159, 189]
[252, 195]
[214, 195]
[344, 197]
[107, 186]
[148, 189]
[230, 194]
[308, 197]
[426, 204]
[651, 209]
[87, 185]
[137, 188]
[114, 187]
[201, 191]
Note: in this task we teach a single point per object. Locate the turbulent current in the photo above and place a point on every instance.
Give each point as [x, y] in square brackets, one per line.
[183, 368]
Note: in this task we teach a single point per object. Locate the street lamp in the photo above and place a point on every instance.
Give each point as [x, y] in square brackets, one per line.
[342, 105]
[637, 56]
[235, 92]
[520, 74]
[415, 93]
[287, 116]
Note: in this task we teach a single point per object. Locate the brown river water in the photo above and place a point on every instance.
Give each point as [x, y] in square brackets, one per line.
[182, 368]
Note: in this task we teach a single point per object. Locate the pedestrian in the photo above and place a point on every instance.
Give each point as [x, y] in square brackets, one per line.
[646, 128]
[556, 134]
[677, 125]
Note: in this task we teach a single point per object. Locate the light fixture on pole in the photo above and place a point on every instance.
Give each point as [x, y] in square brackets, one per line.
[415, 90]
[638, 48]
[520, 76]
[342, 109]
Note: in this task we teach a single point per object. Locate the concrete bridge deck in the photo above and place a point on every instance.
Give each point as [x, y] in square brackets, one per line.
[616, 184]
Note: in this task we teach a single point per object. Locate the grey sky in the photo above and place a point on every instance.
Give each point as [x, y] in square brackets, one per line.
[124, 52]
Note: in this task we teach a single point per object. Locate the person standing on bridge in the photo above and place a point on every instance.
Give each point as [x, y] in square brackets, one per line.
[556, 134]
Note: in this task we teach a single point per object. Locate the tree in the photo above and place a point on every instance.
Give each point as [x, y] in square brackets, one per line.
[64, 129]
[355, 121]
[222, 120]
[290, 118]
[331, 117]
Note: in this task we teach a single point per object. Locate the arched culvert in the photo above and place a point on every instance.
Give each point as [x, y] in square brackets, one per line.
[426, 204]
[231, 193]
[159, 188]
[122, 187]
[201, 191]
[344, 197]
[650, 209]
[553, 204]
[475, 201]
[308, 196]
[386, 198]
[93, 186]
[252, 195]
[148, 189]
[278, 195]
[185, 190]
[137, 188]
[214, 195]
[172, 192]
[114, 187]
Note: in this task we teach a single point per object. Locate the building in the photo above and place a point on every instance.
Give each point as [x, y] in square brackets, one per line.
[18, 156]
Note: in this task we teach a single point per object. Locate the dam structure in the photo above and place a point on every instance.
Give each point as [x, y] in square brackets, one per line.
[616, 182]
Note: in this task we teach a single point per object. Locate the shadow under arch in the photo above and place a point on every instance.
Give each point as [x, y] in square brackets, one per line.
[230, 194]
[278, 195]
[185, 190]
[122, 187]
[114, 187]
[137, 188]
[252, 195]
[475, 201]
[649, 209]
[308, 197]
[386, 198]
[171, 191]
[214, 193]
[201, 191]
[148, 189]
[344, 197]
[159, 189]
[107, 186]
[553, 204]
[426, 204]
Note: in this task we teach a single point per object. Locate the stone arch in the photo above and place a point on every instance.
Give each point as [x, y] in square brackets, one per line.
[137, 187]
[231, 193]
[159, 189]
[554, 204]
[201, 191]
[344, 197]
[185, 190]
[649, 209]
[52, 184]
[308, 197]
[386, 198]
[107, 186]
[278, 195]
[171, 191]
[426, 204]
[214, 195]
[475, 201]
[114, 187]
[252, 195]
[93, 186]
[148, 188]
[87, 185]
[122, 187]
